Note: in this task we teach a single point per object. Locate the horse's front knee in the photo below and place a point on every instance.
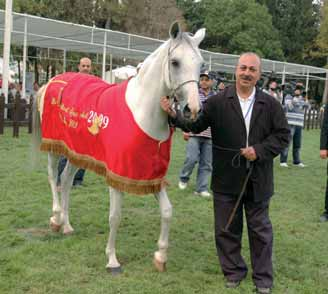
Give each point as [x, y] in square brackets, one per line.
[166, 213]
[114, 219]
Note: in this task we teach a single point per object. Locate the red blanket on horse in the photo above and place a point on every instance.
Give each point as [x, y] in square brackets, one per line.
[88, 121]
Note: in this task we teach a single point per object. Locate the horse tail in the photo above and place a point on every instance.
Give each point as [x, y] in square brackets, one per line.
[36, 124]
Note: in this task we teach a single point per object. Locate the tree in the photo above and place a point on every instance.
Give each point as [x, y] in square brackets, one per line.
[193, 12]
[322, 39]
[322, 44]
[235, 26]
[297, 22]
[99, 12]
[151, 17]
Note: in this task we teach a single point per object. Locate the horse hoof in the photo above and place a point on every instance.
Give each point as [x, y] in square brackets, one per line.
[54, 227]
[114, 271]
[160, 266]
[68, 231]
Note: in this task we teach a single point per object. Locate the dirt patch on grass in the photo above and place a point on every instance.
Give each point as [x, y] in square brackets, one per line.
[34, 232]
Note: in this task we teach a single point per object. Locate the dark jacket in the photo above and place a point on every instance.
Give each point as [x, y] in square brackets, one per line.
[324, 130]
[269, 135]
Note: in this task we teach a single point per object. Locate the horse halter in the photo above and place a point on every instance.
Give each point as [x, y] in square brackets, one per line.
[169, 69]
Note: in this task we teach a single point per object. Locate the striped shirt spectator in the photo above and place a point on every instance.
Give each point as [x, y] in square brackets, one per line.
[295, 108]
[203, 98]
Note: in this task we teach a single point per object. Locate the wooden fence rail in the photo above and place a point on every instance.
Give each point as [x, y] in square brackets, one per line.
[19, 113]
[313, 119]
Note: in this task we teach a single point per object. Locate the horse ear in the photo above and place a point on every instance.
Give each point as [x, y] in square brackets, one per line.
[199, 36]
[175, 30]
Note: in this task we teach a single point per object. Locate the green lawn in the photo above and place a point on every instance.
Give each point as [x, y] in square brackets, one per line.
[35, 260]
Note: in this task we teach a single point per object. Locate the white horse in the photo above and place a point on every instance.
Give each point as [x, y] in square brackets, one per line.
[172, 70]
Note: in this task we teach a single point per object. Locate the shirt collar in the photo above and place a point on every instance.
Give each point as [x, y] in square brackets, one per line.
[249, 98]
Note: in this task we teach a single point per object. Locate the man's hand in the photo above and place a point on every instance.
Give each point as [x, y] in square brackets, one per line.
[249, 153]
[166, 106]
[323, 154]
[186, 136]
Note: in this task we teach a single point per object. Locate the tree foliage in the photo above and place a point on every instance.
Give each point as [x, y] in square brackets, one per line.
[322, 39]
[147, 17]
[98, 12]
[193, 12]
[297, 22]
[235, 26]
[151, 17]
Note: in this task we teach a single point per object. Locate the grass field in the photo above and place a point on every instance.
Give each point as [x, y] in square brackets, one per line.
[35, 260]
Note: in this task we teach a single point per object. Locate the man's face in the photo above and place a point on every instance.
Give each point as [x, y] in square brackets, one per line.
[205, 82]
[85, 66]
[273, 86]
[248, 71]
[36, 86]
[297, 93]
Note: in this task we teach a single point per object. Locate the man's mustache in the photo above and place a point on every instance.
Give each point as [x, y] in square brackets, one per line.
[247, 78]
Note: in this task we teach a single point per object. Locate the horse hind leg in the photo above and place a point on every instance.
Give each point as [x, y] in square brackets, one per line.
[160, 256]
[55, 220]
[113, 266]
[66, 181]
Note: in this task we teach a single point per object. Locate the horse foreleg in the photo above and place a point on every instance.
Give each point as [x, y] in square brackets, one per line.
[55, 221]
[113, 266]
[66, 181]
[160, 256]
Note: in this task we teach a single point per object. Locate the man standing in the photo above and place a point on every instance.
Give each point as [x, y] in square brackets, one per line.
[249, 129]
[84, 67]
[295, 108]
[199, 146]
[274, 92]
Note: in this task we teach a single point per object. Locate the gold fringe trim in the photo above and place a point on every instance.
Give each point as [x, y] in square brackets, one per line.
[123, 184]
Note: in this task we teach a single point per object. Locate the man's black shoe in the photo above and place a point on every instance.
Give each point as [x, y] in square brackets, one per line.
[232, 284]
[324, 217]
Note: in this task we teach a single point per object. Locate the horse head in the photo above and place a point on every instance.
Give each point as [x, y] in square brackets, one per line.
[183, 67]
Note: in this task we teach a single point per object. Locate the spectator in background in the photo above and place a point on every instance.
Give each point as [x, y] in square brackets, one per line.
[12, 90]
[274, 91]
[199, 147]
[221, 86]
[84, 67]
[19, 88]
[295, 108]
[35, 88]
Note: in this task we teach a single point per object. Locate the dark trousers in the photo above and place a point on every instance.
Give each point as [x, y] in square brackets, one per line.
[326, 200]
[296, 139]
[78, 178]
[228, 244]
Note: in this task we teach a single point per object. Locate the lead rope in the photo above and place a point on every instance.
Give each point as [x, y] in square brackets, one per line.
[243, 189]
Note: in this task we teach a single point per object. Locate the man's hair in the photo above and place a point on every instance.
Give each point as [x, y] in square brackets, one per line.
[251, 53]
[84, 57]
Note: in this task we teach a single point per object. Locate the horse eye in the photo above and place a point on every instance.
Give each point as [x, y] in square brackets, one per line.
[175, 63]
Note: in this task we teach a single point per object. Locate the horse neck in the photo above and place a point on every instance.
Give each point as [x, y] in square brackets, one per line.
[143, 96]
